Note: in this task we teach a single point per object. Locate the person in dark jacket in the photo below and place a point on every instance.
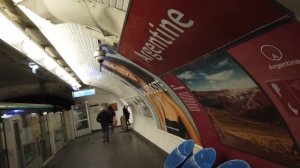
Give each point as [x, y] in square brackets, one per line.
[126, 115]
[105, 120]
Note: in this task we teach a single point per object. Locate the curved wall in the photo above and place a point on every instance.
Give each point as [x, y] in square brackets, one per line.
[94, 103]
[146, 127]
[231, 98]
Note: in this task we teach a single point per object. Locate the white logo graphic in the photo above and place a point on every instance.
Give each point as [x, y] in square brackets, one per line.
[294, 110]
[276, 89]
[271, 52]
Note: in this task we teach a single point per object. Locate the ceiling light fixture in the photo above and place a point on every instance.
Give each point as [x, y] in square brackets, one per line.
[33, 67]
[14, 36]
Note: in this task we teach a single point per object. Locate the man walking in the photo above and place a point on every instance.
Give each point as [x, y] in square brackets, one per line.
[105, 120]
[126, 115]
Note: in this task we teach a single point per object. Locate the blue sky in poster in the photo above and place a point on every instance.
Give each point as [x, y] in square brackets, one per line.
[215, 73]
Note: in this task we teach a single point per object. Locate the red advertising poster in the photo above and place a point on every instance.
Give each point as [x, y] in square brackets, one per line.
[273, 60]
[162, 35]
[196, 110]
[236, 113]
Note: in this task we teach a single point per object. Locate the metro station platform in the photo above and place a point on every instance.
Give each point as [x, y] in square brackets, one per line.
[124, 150]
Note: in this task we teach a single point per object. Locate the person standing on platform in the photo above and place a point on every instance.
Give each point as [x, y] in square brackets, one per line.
[126, 115]
[113, 118]
[104, 119]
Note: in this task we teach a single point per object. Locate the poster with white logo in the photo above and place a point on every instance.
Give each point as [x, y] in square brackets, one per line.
[273, 60]
[235, 112]
[163, 35]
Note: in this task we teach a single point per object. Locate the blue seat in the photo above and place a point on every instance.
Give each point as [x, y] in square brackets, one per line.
[235, 163]
[179, 155]
[204, 158]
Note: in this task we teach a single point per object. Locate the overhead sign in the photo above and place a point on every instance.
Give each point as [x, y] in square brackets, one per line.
[273, 61]
[164, 38]
[81, 93]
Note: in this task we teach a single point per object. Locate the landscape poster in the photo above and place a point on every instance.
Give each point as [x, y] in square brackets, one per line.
[273, 60]
[171, 117]
[242, 115]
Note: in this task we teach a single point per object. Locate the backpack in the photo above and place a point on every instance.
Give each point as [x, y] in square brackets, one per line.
[104, 118]
[98, 118]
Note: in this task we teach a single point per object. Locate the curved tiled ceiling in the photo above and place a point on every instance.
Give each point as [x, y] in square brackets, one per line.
[103, 19]
[18, 80]
[77, 48]
[11, 15]
[77, 42]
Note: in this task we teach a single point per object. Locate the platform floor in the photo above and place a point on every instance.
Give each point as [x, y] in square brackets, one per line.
[125, 150]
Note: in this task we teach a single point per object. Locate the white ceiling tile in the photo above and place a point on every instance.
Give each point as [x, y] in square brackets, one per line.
[77, 48]
[119, 4]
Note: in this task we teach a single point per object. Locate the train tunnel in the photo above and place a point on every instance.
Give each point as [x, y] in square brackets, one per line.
[224, 74]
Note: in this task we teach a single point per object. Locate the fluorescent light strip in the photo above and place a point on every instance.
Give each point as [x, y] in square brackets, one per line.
[10, 33]
[32, 50]
[15, 37]
[64, 45]
[49, 63]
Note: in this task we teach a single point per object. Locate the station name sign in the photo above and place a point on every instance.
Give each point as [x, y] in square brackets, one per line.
[86, 92]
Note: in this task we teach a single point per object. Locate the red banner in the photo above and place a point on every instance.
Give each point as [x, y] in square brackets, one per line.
[194, 107]
[273, 61]
[208, 133]
[163, 35]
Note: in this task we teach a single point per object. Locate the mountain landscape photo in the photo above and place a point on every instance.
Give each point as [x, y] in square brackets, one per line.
[243, 116]
[246, 119]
